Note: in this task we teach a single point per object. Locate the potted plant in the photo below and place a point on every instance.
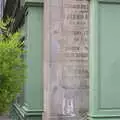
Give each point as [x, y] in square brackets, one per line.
[12, 65]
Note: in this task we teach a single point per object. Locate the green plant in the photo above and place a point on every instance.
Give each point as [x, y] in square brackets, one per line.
[12, 66]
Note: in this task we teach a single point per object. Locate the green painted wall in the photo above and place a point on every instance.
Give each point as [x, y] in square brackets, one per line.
[104, 59]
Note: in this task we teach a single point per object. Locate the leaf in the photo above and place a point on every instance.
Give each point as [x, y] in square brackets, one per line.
[12, 65]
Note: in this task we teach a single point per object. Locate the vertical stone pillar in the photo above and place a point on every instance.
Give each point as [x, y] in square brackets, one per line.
[66, 59]
[104, 59]
[32, 103]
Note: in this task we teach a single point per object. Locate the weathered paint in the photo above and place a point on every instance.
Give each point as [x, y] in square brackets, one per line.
[104, 59]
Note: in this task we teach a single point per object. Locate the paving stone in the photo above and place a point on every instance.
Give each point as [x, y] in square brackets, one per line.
[4, 118]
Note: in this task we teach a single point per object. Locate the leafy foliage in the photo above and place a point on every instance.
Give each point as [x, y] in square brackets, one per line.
[12, 66]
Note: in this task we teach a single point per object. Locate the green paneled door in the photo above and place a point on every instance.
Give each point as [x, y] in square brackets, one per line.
[104, 59]
[32, 106]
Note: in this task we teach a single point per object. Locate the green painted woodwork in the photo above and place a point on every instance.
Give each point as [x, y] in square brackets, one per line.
[34, 42]
[32, 2]
[115, 118]
[19, 113]
[32, 106]
[104, 59]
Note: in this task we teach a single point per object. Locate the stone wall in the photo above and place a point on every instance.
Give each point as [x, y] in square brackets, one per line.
[68, 59]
